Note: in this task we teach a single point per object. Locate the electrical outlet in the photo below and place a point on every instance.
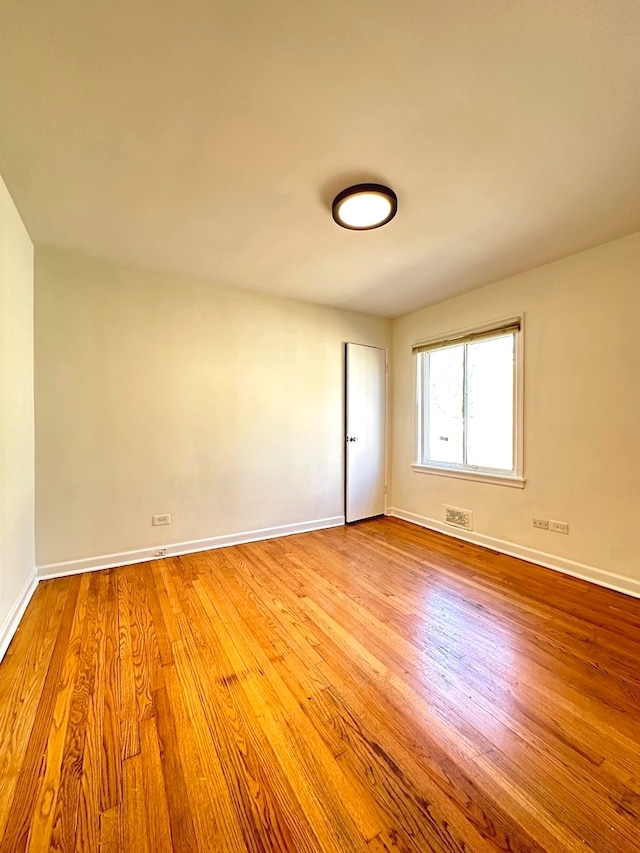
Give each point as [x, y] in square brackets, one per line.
[541, 523]
[559, 526]
[161, 519]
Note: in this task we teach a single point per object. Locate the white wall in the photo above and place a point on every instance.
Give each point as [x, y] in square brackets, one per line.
[164, 395]
[582, 415]
[17, 560]
[225, 408]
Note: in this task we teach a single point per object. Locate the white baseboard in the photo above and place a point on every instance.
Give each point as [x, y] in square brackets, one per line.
[619, 583]
[16, 613]
[144, 555]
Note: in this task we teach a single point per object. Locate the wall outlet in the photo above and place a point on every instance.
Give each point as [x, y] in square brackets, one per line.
[541, 523]
[559, 526]
[161, 519]
[459, 517]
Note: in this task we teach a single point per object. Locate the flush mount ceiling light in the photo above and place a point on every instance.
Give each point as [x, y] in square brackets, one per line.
[364, 206]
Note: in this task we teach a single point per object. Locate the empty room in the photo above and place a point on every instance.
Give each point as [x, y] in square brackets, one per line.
[319, 426]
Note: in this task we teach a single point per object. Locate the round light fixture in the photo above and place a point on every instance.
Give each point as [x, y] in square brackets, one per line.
[364, 206]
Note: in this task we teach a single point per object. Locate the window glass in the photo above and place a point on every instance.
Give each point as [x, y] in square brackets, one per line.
[490, 403]
[445, 414]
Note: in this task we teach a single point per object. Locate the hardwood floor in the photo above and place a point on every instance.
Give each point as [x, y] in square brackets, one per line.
[375, 687]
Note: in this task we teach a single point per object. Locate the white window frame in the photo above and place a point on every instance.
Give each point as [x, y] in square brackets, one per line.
[514, 478]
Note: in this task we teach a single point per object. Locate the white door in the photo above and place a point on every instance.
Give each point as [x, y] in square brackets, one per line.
[365, 431]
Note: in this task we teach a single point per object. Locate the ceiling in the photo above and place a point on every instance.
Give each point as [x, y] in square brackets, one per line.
[208, 137]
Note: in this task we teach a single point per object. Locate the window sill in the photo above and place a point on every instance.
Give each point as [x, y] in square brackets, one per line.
[479, 476]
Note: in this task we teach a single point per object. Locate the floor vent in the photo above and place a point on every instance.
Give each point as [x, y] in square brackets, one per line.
[458, 517]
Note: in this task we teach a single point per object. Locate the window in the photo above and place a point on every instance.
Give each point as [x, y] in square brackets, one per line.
[469, 409]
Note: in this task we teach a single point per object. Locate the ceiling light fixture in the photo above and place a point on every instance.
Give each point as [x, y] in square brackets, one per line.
[364, 206]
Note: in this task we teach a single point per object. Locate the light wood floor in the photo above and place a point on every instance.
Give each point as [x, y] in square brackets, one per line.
[364, 688]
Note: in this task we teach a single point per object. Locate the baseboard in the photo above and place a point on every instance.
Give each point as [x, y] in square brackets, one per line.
[144, 555]
[16, 613]
[619, 583]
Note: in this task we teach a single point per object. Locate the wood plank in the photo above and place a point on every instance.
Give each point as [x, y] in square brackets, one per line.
[22, 681]
[298, 744]
[65, 816]
[258, 796]
[373, 687]
[134, 806]
[108, 701]
[23, 812]
[87, 834]
[155, 791]
[129, 735]
[111, 830]
[198, 803]
[61, 752]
